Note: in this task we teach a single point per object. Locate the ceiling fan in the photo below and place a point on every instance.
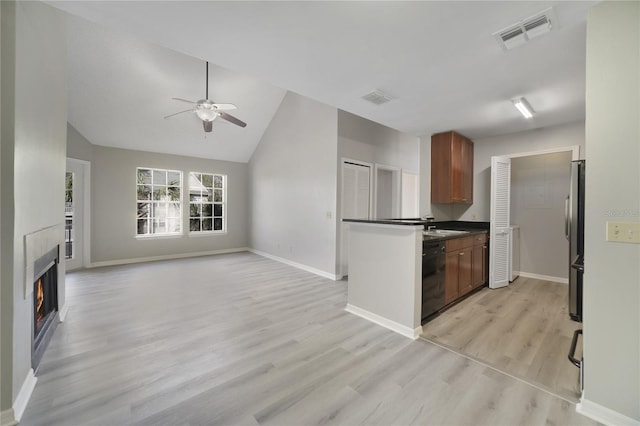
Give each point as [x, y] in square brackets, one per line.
[207, 110]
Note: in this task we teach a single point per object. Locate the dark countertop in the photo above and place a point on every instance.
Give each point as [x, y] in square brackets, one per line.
[451, 224]
[401, 222]
[473, 228]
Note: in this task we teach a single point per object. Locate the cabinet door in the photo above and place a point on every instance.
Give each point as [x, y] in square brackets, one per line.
[478, 257]
[465, 276]
[441, 168]
[461, 169]
[457, 168]
[468, 168]
[451, 277]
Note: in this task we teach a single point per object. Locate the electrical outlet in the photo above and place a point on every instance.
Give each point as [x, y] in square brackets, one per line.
[623, 232]
[329, 215]
[474, 216]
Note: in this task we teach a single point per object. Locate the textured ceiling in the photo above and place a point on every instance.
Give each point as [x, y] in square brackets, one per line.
[438, 60]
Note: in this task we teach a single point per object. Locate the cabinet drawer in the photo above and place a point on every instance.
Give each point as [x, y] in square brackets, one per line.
[479, 239]
[459, 243]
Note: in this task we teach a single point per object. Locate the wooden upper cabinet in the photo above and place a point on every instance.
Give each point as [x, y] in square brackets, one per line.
[451, 168]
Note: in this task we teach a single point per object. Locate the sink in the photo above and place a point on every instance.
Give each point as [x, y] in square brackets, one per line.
[443, 232]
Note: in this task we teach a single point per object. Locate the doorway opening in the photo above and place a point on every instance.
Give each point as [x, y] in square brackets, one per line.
[76, 211]
[355, 202]
[388, 192]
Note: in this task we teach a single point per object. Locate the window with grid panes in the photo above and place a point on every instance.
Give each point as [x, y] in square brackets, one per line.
[159, 208]
[207, 194]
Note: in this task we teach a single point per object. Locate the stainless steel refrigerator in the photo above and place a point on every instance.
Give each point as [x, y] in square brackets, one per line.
[574, 231]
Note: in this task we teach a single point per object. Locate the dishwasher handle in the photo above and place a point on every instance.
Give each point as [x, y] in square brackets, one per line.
[572, 350]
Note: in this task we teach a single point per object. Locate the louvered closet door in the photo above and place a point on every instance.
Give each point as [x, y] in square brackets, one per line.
[500, 220]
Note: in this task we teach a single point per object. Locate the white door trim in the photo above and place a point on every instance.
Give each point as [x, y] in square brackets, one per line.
[573, 149]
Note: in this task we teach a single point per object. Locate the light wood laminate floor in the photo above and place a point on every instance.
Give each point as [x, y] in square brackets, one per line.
[523, 329]
[240, 339]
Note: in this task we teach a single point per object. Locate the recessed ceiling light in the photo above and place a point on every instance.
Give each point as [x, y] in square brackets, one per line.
[523, 106]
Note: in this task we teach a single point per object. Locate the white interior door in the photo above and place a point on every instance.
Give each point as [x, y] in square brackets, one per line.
[356, 203]
[410, 195]
[500, 220]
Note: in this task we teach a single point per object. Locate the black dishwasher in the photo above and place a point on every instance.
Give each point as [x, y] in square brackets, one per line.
[433, 265]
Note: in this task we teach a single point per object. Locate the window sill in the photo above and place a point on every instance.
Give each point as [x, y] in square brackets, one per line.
[206, 234]
[157, 236]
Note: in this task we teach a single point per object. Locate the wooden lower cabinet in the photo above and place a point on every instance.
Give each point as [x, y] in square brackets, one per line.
[480, 264]
[465, 268]
[451, 277]
[465, 276]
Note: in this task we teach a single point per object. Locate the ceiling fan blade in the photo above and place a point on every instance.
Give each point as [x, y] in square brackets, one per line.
[230, 118]
[186, 110]
[183, 100]
[208, 126]
[225, 107]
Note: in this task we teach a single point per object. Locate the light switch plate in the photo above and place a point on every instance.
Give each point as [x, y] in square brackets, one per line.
[623, 232]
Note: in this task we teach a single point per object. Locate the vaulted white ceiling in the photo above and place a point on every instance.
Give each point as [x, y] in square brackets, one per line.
[439, 60]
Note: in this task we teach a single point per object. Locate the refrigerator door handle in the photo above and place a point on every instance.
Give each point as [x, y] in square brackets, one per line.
[572, 349]
[566, 217]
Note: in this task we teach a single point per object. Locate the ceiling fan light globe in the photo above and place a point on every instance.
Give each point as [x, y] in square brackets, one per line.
[205, 114]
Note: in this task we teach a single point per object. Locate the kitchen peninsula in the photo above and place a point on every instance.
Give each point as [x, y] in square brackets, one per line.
[385, 268]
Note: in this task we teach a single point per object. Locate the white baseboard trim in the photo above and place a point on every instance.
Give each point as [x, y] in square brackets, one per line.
[164, 257]
[7, 418]
[324, 274]
[384, 322]
[20, 404]
[544, 277]
[63, 312]
[604, 415]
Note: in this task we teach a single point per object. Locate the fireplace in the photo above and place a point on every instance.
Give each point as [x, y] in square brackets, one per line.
[45, 303]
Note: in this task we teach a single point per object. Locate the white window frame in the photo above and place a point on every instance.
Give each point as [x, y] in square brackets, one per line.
[179, 202]
[222, 203]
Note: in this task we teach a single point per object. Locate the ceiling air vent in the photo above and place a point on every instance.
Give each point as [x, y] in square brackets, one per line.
[518, 34]
[377, 97]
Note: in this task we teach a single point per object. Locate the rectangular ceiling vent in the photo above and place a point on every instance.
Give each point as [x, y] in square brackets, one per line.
[377, 97]
[518, 34]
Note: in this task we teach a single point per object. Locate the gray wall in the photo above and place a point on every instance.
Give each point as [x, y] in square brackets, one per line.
[515, 143]
[78, 146]
[7, 89]
[364, 140]
[293, 185]
[612, 270]
[539, 187]
[37, 149]
[113, 206]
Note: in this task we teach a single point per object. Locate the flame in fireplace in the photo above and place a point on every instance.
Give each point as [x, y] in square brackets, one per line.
[39, 302]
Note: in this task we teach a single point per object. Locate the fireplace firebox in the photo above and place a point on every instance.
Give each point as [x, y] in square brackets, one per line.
[45, 303]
